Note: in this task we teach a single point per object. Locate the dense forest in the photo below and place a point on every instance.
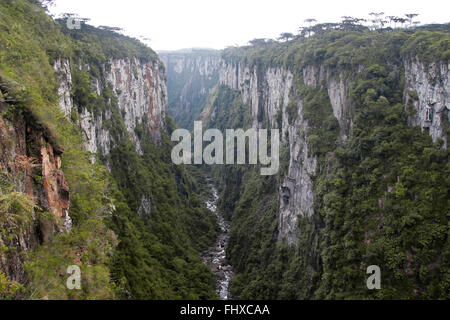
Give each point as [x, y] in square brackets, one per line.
[381, 187]
[86, 176]
[122, 253]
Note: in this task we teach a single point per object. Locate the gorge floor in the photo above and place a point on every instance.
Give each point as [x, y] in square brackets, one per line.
[215, 256]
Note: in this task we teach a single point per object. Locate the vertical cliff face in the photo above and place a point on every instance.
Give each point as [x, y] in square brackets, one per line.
[30, 165]
[191, 76]
[139, 92]
[142, 93]
[134, 91]
[337, 85]
[296, 189]
[269, 94]
[265, 91]
[64, 77]
[427, 90]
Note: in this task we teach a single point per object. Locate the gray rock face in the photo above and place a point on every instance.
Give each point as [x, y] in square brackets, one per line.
[296, 190]
[427, 90]
[97, 137]
[64, 78]
[337, 87]
[145, 208]
[141, 91]
[268, 93]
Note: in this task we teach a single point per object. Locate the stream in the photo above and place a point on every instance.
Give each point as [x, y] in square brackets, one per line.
[215, 256]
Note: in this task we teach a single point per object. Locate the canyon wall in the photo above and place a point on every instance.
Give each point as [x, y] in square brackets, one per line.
[30, 165]
[427, 90]
[267, 93]
[140, 91]
[32, 160]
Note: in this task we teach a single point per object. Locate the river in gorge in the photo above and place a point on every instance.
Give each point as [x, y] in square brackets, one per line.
[215, 256]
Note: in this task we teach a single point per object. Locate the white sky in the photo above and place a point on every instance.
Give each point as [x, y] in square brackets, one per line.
[177, 24]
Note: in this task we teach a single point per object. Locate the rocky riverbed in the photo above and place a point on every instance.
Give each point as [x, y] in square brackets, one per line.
[215, 256]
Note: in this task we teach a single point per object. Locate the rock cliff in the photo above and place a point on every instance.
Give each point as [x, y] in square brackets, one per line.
[427, 90]
[139, 89]
[267, 93]
[30, 164]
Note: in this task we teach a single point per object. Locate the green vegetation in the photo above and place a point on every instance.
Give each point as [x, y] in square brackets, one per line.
[122, 252]
[381, 196]
[381, 193]
[9, 290]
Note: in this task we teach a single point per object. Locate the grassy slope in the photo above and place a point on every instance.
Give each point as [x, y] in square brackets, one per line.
[155, 257]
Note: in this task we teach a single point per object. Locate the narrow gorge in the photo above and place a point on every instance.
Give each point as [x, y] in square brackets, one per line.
[336, 112]
[87, 178]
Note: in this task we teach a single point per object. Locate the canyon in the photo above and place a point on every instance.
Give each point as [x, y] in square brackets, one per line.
[86, 176]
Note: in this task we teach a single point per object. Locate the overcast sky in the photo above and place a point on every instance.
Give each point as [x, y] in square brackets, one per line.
[177, 24]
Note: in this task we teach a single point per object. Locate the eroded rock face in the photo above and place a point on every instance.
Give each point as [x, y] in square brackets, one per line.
[64, 78]
[56, 195]
[296, 190]
[145, 208]
[267, 92]
[141, 91]
[31, 165]
[337, 85]
[427, 90]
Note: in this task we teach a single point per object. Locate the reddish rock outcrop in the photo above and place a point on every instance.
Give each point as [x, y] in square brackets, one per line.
[29, 164]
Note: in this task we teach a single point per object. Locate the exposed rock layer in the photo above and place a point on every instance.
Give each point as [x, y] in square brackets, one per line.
[33, 166]
[141, 92]
[268, 91]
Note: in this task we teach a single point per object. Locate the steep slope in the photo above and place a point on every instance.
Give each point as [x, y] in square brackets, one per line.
[364, 170]
[84, 115]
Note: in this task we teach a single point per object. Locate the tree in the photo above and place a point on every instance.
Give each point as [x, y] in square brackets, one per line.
[74, 17]
[401, 21]
[394, 19]
[310, 21]
[302, 32]
[411, 17]
[258, 41]
[351, 23]
[376, 18]
[144, 38]
[324, 27]
[285, 36]
[44, 3]
[391, 19]
[383, 23]
[111, 29]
